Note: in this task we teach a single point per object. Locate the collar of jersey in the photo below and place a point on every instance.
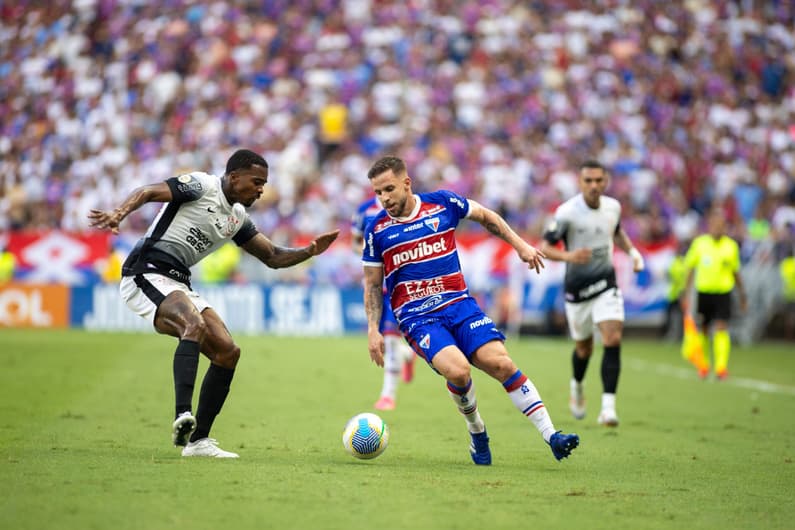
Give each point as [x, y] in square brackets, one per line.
[582, 200]
[413, 213]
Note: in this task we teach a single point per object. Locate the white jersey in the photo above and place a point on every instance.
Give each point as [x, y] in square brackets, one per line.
[580, 226]
[197, 220]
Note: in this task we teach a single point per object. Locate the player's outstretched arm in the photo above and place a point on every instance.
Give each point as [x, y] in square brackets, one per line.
[277, 257]
[103, 220]
[494, 223]
[373, 307]
[579, 255]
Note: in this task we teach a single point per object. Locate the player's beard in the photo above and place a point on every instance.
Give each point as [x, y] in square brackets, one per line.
[400, 208]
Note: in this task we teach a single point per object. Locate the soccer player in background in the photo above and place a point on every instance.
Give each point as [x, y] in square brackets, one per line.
[411, 245]
[713, 261]
[398, 357]
[201, 212]
[588, 224]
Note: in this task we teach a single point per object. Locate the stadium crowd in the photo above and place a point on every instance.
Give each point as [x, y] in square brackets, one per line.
[690, 104]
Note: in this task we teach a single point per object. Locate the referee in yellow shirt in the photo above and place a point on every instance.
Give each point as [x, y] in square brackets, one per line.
[714, 260]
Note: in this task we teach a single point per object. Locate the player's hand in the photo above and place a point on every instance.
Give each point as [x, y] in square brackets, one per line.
[580, 256]
[637, 260]
[105, 220]
[533, 257]
[323, 242]
[377, 347]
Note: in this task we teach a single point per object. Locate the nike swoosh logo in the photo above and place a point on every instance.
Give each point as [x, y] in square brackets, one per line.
[210, 210]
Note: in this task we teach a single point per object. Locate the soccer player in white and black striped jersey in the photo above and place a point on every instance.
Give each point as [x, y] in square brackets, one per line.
[589, 224]
[201, 212]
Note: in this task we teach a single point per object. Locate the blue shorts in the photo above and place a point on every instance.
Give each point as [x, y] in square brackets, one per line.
[388, 324]
[462, 324]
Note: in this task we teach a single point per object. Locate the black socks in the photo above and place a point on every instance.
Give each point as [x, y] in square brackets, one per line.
[579, 366]
[215, 388]
[186, 362]
[611, 367]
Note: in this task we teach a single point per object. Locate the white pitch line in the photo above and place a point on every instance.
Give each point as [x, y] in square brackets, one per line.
[683, 373]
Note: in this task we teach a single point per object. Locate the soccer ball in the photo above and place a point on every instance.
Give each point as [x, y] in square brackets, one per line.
[365, 436]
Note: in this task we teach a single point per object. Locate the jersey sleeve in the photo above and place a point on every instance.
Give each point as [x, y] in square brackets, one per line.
[186, 188]
[246, 232]
[371, 254]
[456, 203]
[556, 228]
[692, 256]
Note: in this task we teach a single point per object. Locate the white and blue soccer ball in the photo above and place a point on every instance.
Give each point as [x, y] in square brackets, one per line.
[365, 436]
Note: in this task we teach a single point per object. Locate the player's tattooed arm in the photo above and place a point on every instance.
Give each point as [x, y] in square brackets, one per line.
[159, 192]
[495, 224]
[277, 257]
[373, 295]
[373, 307]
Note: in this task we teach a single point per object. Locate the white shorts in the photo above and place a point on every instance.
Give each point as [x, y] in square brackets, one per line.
[583, 316]
[144, 293]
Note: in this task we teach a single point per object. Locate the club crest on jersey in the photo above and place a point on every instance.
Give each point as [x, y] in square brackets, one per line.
[228, 228]
[425, 343]
[433, 224]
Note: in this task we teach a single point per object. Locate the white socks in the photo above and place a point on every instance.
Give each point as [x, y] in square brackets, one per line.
[527, 399]
[464, 398]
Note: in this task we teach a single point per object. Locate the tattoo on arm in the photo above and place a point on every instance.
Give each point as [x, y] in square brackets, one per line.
[494, 228]
[373, 305]
[287, 257]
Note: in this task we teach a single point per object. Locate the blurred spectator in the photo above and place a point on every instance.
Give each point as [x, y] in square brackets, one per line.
[492, 99]
[677, 278]
[7, 265]
[110, 267]
[220, 266]
[787, 271]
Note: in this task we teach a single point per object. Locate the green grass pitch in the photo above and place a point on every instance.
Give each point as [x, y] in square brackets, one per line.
[85, 442]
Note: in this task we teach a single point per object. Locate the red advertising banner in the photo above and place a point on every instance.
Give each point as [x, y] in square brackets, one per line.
[57, 257]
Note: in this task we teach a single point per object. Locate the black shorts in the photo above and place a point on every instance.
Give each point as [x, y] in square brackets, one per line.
[712, 306]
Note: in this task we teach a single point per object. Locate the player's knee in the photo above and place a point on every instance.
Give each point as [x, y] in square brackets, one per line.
[229, 357]
[583, 350]
[459, 375]
[612, 339]
[500, 368]
[195, 329]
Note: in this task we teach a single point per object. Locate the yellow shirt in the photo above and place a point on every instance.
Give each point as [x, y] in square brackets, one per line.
[787, 271]
[333, 123]
[677, 274]
[7, 265]
[218, 266]
[715, 263]
[111, 272]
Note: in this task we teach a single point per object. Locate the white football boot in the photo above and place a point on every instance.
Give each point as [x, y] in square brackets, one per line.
[577, 399]
[608, 415]
[207, 447]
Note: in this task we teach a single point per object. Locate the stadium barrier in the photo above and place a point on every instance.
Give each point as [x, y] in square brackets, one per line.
[57, 285]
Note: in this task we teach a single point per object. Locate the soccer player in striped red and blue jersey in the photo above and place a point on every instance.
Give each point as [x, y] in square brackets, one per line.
[398, 357]
[411, 246]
